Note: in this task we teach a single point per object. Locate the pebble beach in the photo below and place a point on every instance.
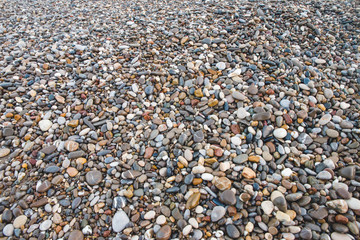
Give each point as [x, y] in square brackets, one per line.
[180, 119]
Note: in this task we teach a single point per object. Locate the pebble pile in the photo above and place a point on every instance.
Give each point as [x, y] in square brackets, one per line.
[181, 119]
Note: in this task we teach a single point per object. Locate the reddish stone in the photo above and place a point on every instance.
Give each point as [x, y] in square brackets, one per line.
[235, 128]
[32, 161]
[108, 212]
[287, 118]
[206, 219]
[194, 102]
[106, 233]
[148, 152]
[341, 219]
[232, 211]
[270, 92]
[218, 152]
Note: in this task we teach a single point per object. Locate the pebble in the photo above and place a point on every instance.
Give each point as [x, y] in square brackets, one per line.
[164, 233]
[280, 133]
[45, 125]
[217, 213]
[93, 177]
[19, 221]
[119, 221]
[4, 152]
[76, 235]
[45, 225]
[8, 230]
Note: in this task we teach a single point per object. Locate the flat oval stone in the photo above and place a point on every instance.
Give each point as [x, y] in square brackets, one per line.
[4, 152]
[43, 186]
[93, 177]
[45, 125]
[193, 200]
[76, 235]
[332, 133]
[20, 221]
[261, 116]
[280, 133]
[232, 231]
[164, 233]
[8, 230]
[45, 225]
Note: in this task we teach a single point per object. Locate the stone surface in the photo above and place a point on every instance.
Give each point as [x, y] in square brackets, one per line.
[119, 221]
[93, 177]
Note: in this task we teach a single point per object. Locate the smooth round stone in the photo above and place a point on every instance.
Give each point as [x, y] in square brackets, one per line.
[45, 125]
[332, 133]
[340, 236]
[198, 136]
[198, 169]
[43, 186]
[282, 217]
[221, 65]
[193, 200]
[164, 233]
[325, 119]
[76, 235]
[193, 222]
[119, 221]
[72, 171]
[286, 172]
[45, 225]
[280, 133]
[320, 61]
[343, 193]
[292, 197]
[217, 213]
[187, 229]
[207, 176]
[61, 120]
[285, 103]
[4, 152]
[328, 93]
[353, 203]
[228, 197]
[236, 141]
[6, 216]
[267, 207]
[8, 230]
[324, 175]
[20, 221]
[71, 145]
[188, 155]
[161, 220]
[93, 177]
[149, 215]
[232, 231]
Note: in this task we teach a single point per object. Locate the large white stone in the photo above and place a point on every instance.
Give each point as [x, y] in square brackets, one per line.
[267, 207]
[120, 221]
[280, 133]
[353, 203]
[45, 125]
